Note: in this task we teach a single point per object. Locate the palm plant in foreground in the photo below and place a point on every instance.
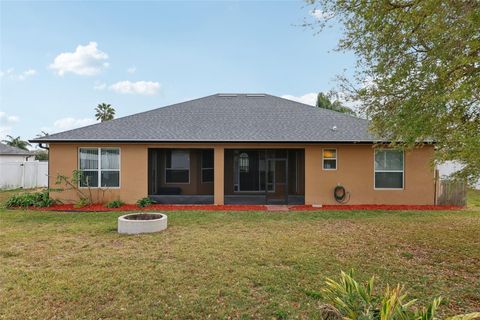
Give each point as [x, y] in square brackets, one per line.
[348, 299]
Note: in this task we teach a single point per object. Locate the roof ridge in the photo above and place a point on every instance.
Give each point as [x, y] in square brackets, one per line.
[242, 117]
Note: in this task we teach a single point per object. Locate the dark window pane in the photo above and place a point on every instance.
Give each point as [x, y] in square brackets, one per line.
[329, 164]
[207, 158]
[392, 180]
[110, 179]
[177, 176]
[207, 175]
[168, 159]
[89, 179]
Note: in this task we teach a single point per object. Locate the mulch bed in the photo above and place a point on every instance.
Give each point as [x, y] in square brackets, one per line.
[173, 207]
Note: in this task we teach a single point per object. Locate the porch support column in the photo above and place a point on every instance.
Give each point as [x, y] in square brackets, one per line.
[218, 173]
[313, 170]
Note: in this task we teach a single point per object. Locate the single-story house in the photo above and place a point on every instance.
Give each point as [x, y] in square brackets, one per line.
[241, 149]
[14, 154]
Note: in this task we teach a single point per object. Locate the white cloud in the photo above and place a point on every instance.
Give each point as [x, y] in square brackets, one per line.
[321, 15]
[85, 61]
[68, 124]
[147, 88]
[10, 73]
[132, 70]
[6, 119]
[99, 86]
[4, 131]
[309, 98]
[6, 122]
[26, 74]
[6, 73]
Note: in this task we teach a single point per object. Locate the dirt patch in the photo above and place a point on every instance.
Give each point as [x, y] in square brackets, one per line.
[143, 216]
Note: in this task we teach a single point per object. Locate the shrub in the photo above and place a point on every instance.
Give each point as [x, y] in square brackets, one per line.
[349, 299]
[115, 204]
[37, 199]
[82, 202]
[144, 202]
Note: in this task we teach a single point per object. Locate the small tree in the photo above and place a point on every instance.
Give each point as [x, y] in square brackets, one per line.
[417, 75]
[104, 112]
[73, 183]
[41, 155]
[16, 142]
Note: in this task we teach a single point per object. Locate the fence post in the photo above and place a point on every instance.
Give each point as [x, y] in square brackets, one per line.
[36, 174]
[23, 175]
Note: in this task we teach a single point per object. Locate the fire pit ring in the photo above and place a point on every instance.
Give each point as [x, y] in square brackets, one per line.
[135, 223]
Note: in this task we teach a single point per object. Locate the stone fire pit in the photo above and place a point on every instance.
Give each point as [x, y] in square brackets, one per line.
[135, 223]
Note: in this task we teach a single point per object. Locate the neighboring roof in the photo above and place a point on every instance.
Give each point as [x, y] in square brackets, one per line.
[226, 118]
[13, 151]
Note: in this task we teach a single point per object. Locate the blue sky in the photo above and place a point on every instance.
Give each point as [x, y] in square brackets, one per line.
[60, 59]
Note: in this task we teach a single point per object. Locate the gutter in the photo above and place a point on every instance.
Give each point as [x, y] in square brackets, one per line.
[212, 141]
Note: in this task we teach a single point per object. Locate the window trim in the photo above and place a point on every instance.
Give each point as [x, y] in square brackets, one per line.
[202, 168]
[336, 159]
[99, 169]
[402, 171]
[189, 167]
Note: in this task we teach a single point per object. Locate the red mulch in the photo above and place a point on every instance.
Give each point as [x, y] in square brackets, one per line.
[374, 207]
[173, 207]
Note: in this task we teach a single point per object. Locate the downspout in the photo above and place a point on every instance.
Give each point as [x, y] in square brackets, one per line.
[41, 146]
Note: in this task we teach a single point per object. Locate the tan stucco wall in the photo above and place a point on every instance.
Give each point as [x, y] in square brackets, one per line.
[133, 172]
[355, 172]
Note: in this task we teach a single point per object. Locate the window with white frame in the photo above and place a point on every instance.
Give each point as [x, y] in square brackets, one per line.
[99, 167]
[177, 166]
[329, 159]
[389, 169]
[207, 166]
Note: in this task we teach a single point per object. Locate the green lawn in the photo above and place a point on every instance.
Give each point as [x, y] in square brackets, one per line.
[228, 264]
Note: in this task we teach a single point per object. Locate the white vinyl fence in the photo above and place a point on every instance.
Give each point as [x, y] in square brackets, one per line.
[26, 174]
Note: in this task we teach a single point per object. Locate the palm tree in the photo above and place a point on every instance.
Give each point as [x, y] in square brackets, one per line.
[16, 142]
[323, 101]
[42, 134]
[105, 112]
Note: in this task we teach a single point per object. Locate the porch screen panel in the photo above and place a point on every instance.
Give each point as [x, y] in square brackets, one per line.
[177, 166]
[207, 166]
[248, 171]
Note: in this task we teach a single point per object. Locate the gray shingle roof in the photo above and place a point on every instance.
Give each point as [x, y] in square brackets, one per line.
[227, 118]
[13, 151]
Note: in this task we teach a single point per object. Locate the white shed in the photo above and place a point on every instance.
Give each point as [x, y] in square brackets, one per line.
[13, 154]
